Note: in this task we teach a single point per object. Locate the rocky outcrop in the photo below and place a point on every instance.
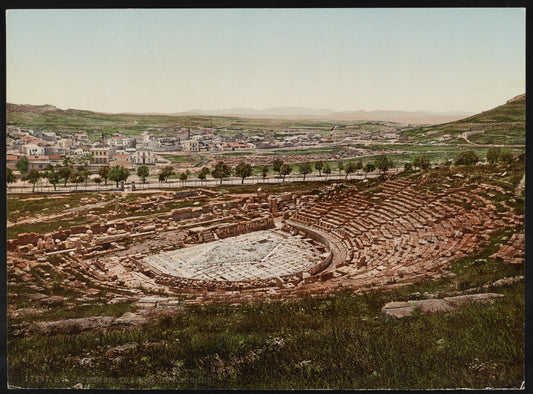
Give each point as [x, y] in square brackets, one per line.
[402, 309]
[72, 326]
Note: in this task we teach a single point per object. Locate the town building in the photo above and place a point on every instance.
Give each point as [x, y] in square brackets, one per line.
[191, 145]
[101, 155]
[32, 150]
[143, 157]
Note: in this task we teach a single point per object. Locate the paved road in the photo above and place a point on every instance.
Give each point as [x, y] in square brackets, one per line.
[171, 184]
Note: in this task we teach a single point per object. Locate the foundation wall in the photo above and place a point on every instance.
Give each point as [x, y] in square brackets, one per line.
[320, 239]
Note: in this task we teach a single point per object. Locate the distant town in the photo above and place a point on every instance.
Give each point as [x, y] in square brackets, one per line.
[42, 148]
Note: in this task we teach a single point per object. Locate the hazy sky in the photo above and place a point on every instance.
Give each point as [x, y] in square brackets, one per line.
[341, 59]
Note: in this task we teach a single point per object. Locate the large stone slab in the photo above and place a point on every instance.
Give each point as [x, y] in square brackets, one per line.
[71, 325]
[403, 309]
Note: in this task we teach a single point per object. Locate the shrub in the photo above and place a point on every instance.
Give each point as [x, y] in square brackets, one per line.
[466, 158]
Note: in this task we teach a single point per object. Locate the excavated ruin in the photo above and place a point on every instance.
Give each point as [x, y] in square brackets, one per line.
[268, 246]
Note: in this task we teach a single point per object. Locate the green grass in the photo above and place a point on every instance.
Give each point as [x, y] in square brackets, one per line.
[336, 342]
[501, 125]
[32, 204]
[340, 342]
[191, 159]
[306, 151]
[44, 227]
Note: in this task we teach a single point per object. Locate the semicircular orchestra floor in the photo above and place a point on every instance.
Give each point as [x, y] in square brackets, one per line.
[257, 255]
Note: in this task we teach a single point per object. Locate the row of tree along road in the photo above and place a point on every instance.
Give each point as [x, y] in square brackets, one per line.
[75, 172]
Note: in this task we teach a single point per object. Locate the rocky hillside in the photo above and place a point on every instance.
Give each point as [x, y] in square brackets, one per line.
[40, 109]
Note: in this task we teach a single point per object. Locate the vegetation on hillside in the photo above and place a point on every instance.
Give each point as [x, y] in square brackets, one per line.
[502, 125]
[95, 123]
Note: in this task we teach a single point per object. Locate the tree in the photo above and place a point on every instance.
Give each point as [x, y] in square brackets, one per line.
[383, 163]
[359, 165]
[83, 161]
[166, 173]
[285, 170]
[327, 170]
[305, 168]
[340, 166]
[506, 157]
[243, 170]
[349, 168]
[276, 165]
[64, 173]
[10, 176]
[466, 158]
[421, 162]
[23, 164]
[203, 173]
[118, 174]
[369, 167]
[84, 174]
[493, 154]
[143, 172]
[76, 177]
[407, 166]
[52, 175]
[104, 173]
[97, 180]
[183, 177]
[66, 168]
[319, 165]
[33, 177]
[264, 172]
[221, 171]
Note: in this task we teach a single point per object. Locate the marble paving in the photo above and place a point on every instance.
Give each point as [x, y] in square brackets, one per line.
[257, 255]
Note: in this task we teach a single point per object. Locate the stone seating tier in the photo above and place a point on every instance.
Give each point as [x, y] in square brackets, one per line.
[424, 232]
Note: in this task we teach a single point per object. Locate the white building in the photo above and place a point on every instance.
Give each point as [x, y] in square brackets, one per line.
[143, 157]
[33, 150]
[121, 141]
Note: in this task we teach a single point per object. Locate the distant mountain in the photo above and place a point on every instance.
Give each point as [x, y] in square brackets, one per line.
[411, 117]
[414, 117]
[271, 112]
[283, 113]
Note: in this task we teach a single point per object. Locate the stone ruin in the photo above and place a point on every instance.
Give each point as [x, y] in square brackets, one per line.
[356, 241]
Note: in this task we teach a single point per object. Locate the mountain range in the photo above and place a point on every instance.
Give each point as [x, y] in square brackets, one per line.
[296, 113]
[413, 117]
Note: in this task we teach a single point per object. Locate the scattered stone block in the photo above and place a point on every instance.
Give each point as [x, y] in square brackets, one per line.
[53, 300]
[37, 296]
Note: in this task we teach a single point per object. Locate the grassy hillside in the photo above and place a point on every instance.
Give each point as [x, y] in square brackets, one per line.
[502, 125]
[75, 120]
[133, 124]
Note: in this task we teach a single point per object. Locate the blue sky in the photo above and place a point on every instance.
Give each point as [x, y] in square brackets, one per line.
[342, 59]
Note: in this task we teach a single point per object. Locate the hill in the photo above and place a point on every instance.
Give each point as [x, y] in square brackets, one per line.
[73, 120]
[503, 125]
[39, 109]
